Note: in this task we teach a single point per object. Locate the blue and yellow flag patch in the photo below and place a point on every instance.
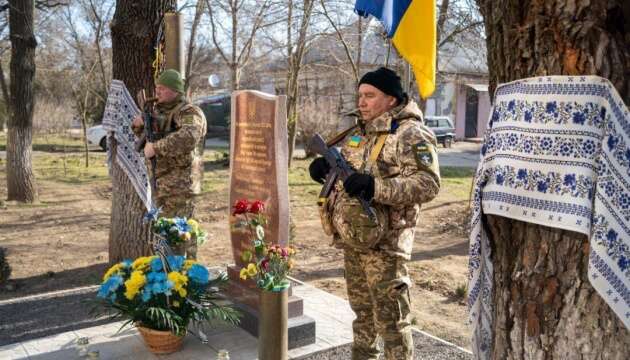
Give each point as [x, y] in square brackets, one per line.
[354, 141]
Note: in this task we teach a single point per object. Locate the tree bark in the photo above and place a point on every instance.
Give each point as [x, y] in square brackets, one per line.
[20, 178]
[545, 307]
[134, 29]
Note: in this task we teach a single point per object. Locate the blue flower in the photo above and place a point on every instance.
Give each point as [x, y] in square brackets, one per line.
[175, 262]
[628, 154]
[528, 116]
[182, 225]
[500, 178]
[611, 236]
[156, 276]
[522, 174]
[146, 294]
[551, 108]
[579, 118]
[609, 189]
[528, 146]
[156, 264]
[569, 180]
[542, 186]
[198, 274]
[109, 286]
[126, 263]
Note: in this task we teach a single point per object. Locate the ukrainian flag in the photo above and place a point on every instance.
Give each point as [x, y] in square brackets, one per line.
[411, 26]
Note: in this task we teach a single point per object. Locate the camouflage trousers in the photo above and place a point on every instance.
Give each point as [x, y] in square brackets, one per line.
[178, 206]
[378, 291]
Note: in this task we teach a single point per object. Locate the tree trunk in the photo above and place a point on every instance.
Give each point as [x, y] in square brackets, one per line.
[5, 97]
[545, 307]
[134, 28]
[20, 178]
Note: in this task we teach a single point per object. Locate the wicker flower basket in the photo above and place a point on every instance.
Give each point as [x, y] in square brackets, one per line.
[160, 342]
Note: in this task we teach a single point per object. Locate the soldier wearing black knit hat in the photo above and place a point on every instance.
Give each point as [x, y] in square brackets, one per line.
[396, 166]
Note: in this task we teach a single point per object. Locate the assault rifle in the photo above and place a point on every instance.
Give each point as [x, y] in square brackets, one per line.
[149, 132]
[339, 170]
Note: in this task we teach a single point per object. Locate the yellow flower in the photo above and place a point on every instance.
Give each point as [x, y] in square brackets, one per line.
[112, 270]
[252, 270]
[290, 263]
[179, 282]
[194, 225]
[175, 303]
[142, 263]
[243, 274]
[133, 285]
[188, 264]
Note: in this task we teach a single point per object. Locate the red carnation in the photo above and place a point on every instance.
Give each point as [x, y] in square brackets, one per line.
[240, 207]
[257, 207]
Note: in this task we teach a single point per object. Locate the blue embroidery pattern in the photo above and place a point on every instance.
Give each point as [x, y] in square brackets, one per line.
[120, 110]
[556, 153]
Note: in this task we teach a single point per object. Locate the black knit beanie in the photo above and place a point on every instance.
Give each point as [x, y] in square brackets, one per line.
[385, 80]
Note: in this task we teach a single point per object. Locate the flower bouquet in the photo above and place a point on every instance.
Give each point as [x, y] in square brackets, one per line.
[162, 297]
[267, 264]
[181, 234]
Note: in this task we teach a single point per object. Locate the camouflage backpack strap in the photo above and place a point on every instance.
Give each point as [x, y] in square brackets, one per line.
[174, 115]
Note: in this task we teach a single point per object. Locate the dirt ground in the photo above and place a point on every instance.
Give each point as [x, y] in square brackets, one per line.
[61, 242]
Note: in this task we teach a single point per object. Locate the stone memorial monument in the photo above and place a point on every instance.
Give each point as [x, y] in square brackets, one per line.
[258, 171]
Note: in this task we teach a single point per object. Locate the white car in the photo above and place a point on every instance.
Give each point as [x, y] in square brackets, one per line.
[97, 136]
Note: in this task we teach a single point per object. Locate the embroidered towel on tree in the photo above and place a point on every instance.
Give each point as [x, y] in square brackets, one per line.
[120, 110]
[556, 153]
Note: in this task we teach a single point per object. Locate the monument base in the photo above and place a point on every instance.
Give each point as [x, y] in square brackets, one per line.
[245, 295]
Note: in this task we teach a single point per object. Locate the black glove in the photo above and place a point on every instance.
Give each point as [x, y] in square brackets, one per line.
[360, 184]
[318, 169]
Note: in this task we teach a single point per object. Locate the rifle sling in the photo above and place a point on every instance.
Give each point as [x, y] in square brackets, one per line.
[376, 150]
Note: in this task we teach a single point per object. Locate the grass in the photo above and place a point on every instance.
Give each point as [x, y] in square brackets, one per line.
[69, 167]
[456, 182]
[50, 143]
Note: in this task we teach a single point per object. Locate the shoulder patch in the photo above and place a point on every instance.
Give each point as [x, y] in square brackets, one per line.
[426, 156]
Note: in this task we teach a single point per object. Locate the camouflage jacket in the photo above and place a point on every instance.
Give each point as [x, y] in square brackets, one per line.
[179, 150]
[406, 175]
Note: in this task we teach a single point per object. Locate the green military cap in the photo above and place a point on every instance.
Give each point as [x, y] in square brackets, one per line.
[172, 80]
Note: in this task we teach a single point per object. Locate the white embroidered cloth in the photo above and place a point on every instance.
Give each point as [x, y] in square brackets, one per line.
[119, 113]
[556, 153]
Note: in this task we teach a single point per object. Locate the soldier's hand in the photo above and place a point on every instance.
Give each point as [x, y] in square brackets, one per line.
[318, 169]
[137, 121]
[149, 150]
[360, 185]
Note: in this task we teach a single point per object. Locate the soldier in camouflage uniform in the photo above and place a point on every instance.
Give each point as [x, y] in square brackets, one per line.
[179, 150]
[397, 170]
